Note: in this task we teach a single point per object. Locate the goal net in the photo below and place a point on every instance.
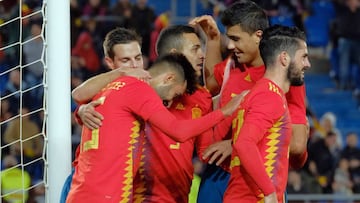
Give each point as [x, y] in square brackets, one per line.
[26, 125]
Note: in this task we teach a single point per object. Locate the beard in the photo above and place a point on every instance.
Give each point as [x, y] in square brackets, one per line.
[294, 75]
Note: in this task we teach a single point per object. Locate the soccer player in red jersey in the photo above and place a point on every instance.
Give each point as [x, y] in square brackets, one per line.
[111, 155]
[168, 171]
[262, 127]
[245, 22]
[176, 168]
[122, 54]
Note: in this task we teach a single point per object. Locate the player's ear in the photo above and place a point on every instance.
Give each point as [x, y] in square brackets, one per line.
[173, 50]
[169, 78]
[258, 35]
[109, 63]
[284, 58]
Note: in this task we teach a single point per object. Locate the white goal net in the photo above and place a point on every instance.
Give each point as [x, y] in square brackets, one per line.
[27, 129]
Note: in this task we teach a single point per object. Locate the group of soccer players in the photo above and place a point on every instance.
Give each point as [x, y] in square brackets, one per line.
[134, 150]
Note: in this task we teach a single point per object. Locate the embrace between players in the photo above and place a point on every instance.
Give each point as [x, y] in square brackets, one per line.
[141, 127]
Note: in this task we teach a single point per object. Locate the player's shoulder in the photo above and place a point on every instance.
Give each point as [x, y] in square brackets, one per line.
[201, 97]
[202, 91]
[267, 88]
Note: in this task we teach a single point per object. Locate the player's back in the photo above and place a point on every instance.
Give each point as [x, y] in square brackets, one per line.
[264, 107]
[168, 169]
[109, 156]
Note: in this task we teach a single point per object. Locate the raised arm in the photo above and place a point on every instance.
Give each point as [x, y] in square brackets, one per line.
[88, 89]
[208, 27]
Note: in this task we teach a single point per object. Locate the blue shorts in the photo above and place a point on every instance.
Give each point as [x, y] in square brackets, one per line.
[66, 187]
[213, 185]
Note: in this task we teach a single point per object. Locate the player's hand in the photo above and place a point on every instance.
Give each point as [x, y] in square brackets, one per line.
[218, 152]
[208, 26]
[233, 104]
[271, 198]
[90, 118]
[138, 73]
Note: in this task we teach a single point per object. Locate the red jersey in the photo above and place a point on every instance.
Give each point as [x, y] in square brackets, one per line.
[110, 156]
[261, 136]
[167, 171]
[239, 81]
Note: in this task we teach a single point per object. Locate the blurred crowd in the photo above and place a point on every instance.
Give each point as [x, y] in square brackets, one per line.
[332, 167]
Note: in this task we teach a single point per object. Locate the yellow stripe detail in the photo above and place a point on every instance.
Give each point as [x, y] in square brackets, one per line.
[94, 142]
[235, 162]
[237, 124]
[129, 176]
[272, 147]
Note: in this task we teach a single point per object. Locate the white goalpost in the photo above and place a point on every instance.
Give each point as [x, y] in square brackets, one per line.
[35, 122]
[59, 125]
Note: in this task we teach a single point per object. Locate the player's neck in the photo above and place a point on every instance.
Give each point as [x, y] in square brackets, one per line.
[278, 77]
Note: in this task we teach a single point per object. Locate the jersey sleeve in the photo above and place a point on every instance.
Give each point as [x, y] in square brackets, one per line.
[264, 108]
[219, 70]
[205, 139]
[296, 103]
[148, 105]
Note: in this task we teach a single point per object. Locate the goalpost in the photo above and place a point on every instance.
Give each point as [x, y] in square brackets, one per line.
[52, 88]
[59, 127]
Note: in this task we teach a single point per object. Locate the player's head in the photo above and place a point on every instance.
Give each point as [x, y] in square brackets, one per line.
[172, 75]
[245, 22]
[181, 39]
[122, 48]
[286, 46]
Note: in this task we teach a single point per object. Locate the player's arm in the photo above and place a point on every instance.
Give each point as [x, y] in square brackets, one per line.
[259, 118]
[85, 114]
[206, 138]
[218, 152]
[88, 89]
[250, 157]
[213, 49]
[182, 130]
[298, 144]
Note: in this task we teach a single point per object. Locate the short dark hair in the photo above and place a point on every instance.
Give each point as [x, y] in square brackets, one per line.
[172, 38]
[279, 38]
[247, 14]
[176, 62]
[119, 36]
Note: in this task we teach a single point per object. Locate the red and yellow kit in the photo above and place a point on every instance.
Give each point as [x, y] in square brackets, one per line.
[261, 137]
[111, 155]
[239, 81]
[167, 171]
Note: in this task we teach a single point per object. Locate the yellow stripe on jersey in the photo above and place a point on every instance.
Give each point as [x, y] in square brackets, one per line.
[94, 142]
[272, 147]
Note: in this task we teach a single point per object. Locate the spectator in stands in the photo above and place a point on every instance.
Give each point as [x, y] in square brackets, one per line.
[4, 63]
[15, 183]
[323, 159]
[94, 8]
[295, 184]
[348, 32]
[328, 124]
[342, 183]
[142, 21]
[13, 87]
[32, 51]
[84, 55]
[75, 21]
[123, 9]
[351, 152]
[20, 129]
[5, 112]
[161, 22]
